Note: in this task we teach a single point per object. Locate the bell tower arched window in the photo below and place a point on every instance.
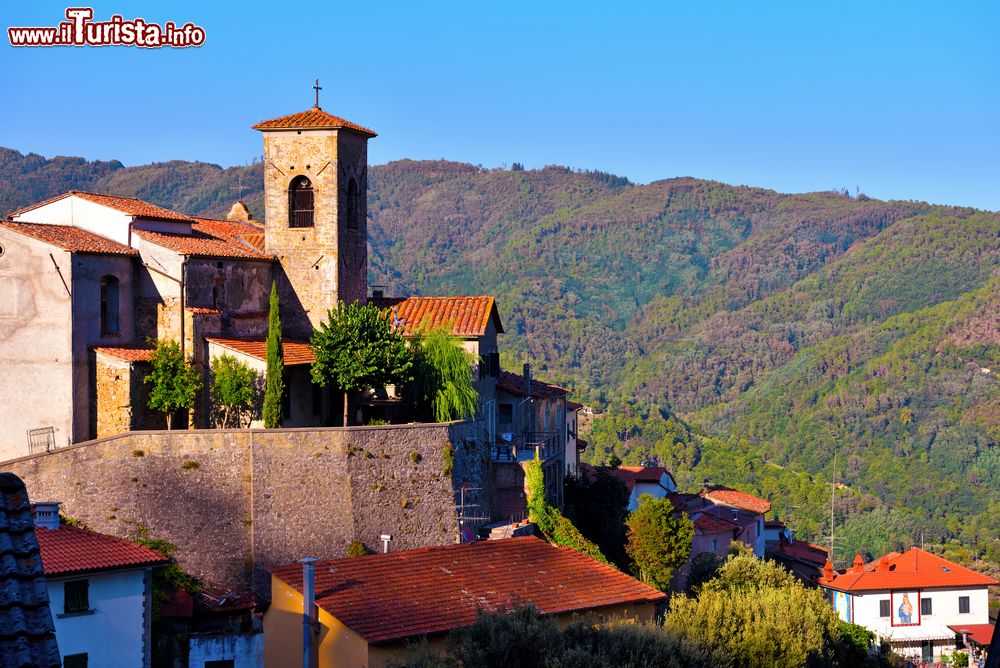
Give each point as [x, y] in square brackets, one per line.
[300, 202]
[352, 205]
[109, 306]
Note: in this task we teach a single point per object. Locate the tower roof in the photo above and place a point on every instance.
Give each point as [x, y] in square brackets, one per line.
[313, 119]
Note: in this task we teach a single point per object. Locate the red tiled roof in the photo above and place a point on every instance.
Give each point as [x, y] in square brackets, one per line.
[202, 310]
[399, 595]
[466, 316]
[295, 352]
[801, 550]
[73, 550]
[127, 353]
[706, 523]
[774, 524]
[255, 239]
[514, 384]
[314, 118]
[129, 205]
[209, 238]
[981, 634]
[70, 238]
[731, 497]
[913, 569]
[630, 475]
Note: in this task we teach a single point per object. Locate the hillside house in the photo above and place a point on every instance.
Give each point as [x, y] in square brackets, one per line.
[803, 559]
[653, 480]
[915, 600]
[100, 589]
[369, 608]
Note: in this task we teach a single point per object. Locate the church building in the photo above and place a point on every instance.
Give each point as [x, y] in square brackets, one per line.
[87, 279]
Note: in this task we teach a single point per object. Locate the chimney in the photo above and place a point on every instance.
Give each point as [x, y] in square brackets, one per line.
[827, 570]
[378, 291]
[883, 564]
[239, 211]
[859, 564]
[46, 514]
[308, 611]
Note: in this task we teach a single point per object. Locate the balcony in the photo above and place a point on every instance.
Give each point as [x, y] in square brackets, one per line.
[524, 447]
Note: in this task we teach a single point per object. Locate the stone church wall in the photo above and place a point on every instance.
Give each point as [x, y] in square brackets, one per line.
[236, 502]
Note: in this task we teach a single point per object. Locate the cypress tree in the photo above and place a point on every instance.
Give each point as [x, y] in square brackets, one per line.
[275, 386]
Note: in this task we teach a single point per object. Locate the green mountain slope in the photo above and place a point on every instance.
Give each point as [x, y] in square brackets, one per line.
[734, 334]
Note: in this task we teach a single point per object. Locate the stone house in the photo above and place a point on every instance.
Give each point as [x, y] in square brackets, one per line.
[86, 279]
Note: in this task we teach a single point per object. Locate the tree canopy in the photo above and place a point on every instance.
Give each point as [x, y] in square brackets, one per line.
[232, 386]
[357, 349]
[442, 376]
[274, 389]
[658, 542]
[175, 383]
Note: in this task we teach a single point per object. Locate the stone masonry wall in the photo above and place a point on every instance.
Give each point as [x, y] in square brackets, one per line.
[236, 502]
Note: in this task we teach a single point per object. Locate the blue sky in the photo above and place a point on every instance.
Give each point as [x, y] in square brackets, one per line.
[900, 99]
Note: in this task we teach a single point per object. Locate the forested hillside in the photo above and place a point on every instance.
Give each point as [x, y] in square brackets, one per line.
[734, 334]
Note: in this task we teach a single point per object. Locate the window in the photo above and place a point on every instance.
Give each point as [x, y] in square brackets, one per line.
[109, 306]
[506, 413]
[963, 604]
[352, 205]
[76, 596]
[883, 608]
[223, 663]
[925, 606]
[75, 660]
[715, 545]
[300, 202]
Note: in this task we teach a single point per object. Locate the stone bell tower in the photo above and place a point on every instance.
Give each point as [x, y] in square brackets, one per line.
[315, 205]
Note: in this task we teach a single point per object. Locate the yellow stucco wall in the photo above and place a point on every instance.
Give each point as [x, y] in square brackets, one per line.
[340, 647]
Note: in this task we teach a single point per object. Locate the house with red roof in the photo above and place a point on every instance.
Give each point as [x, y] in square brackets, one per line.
[100, 592]
[916, 600]
[94, 276]
[369, 610]
[653, 480]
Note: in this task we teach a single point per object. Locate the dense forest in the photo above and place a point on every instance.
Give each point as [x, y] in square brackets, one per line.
[788, 345]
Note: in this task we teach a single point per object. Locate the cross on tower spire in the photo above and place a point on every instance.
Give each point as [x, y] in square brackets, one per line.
[317, 88]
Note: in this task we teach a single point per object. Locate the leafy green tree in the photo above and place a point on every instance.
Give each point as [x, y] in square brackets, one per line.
[658, 542]
[232, 386]
[442, 376]
[358, 349]
[175, 383]
[274, 388]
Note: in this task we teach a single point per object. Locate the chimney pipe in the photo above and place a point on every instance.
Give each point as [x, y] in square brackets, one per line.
[45, 514]
[308, 611]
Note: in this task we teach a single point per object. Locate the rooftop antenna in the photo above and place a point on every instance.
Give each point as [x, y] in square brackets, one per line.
[317, 88]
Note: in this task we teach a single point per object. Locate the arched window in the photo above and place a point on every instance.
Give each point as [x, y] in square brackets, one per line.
[352, 205]
[300, 202]
[109, 306]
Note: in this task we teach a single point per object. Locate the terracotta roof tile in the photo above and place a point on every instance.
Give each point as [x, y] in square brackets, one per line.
[295, 352]
[201, 310]
[706, 523]
[630, 475]
[513, 383]
[913, 569]
[801, 550]
[129, 205]
[467, 316]
[210, 238]
[70, 238]
[74, 550]
[126, 353]
[731, 497]
[981, 634]
[314, 118]
[399, 595]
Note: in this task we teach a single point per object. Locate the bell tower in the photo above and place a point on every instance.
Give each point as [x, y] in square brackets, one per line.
[316, 213]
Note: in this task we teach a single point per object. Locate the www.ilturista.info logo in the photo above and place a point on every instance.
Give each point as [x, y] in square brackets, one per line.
[80, 30]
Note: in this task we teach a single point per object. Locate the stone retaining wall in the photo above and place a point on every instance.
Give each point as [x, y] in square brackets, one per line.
[236, 502]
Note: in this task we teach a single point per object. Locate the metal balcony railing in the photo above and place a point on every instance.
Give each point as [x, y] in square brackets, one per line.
[524, 447]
